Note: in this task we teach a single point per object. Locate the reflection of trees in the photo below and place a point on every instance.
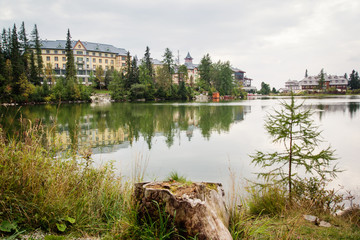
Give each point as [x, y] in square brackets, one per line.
[136, 120]
[353, 108]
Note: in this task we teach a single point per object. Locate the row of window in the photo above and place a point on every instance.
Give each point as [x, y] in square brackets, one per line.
[56, 59]
[56, 65]
[82, 53]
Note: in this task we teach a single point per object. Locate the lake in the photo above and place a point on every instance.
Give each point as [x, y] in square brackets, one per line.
[198, 140]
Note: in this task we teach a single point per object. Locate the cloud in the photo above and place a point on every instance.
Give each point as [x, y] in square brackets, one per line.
[272, 40]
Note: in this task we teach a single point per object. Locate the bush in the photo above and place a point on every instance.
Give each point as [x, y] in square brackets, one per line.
[269, 200]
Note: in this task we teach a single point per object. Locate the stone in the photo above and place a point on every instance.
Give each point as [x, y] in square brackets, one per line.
[324, 224]
[198, 208]
[311, 218]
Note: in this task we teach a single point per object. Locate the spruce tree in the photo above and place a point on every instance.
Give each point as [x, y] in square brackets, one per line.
[24, 47]
[321, 80]
[16, 61]
[306, 73]
[148, 62]
[70, 62]
[205, 71]
[354, 82]
[38, 58]
[33, 70]
[128, 76]
[168, 60]
[294, 129]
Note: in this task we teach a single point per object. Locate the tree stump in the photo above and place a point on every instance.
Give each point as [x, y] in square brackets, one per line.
[198, 208]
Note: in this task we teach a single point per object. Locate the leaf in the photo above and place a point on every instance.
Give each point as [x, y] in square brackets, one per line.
[61, 227]
[6, 226]
[70, 220]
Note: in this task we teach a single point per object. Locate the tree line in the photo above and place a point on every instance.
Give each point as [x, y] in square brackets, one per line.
[23, 76]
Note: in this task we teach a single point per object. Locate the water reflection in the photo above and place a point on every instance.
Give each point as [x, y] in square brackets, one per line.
[118, 125]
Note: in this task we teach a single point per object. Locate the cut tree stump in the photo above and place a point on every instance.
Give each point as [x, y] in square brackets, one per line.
[198, 208]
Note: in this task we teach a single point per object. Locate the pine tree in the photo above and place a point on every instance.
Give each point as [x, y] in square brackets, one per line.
[33, 69]
[205, 71]
[24, 47]
[128, 76]
[148, 62]
[134, 79]
[321, 79]
[295, 130]
[70, 62]
[38, 58]
[354, 82]
[169, 60]
[306, 73]
[16, 60]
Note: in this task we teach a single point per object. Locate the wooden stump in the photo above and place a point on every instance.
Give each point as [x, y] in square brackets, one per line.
[199, 208]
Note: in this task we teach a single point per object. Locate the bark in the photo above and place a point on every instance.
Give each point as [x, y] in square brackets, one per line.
[198, 208]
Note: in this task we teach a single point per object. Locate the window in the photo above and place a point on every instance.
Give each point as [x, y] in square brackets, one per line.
[100, 54]
[56, 66]
[94, 60]
[79, 52]
[123, 58]
[94, 67]
[106, 54]
[47, 51]
[64, 59]
[112, 61]
[106, 61]
[123, 64]
[87, 66]
[100, 60]
[56, 51]
[93, 54]
[64, 66]
[87, 59]
[63, 52]
[56, 59]
[47, 58]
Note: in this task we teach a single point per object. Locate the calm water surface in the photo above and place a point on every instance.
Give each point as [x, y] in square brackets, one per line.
[198, 140]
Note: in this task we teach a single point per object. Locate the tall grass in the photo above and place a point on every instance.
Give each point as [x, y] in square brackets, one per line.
[59, 193]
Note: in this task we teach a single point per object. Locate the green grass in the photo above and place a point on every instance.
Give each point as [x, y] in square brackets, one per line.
[101, 91]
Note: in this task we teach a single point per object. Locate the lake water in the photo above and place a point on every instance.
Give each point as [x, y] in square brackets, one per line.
[198, 140]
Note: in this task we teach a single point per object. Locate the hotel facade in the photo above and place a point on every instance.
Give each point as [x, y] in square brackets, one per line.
[87, 55]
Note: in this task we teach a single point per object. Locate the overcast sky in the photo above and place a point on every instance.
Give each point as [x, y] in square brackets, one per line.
[272, 40]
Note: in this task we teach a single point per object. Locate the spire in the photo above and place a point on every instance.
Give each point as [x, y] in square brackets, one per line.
[188, 58]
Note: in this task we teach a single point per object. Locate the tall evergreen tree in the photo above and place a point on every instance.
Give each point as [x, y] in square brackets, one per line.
[70, 62]
[24, 47]
[169, 60]
[128, 75]
[354, 82]
[148, 62]
[33, 69]
[5, 44]
[205, 71]
[38, 58]
[16, 61]
[321, 79]
[306, 73]
[134, 71]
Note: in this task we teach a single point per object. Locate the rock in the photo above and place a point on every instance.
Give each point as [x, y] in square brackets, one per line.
[198, 208]
[324, 224]
[316, 221]
[311, 218]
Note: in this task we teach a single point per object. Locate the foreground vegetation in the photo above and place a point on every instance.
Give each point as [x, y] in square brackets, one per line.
[43, 188]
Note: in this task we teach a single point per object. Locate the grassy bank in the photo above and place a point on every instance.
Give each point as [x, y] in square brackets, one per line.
[63, 196]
